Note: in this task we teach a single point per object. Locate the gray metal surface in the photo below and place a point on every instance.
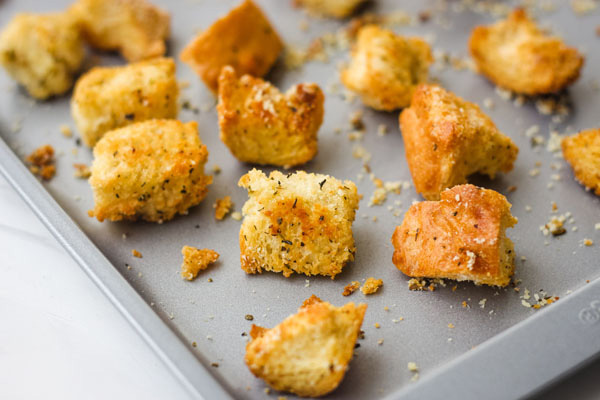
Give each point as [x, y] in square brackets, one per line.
[503, 348]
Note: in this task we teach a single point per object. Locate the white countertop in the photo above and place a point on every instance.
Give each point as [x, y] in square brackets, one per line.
[60, 338]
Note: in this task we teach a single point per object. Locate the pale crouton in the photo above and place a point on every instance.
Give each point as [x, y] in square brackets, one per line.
[582, 151]
[42, 52]
[135, 28]
[297, 223]
[261, 125]
[196, 260]
[386, 68]
[244, 39]
[106, 98]
[446, 139]
[460, 237]
[517, 55]
[330, 8]
[371, 286]
[308, 353]
[149, 170]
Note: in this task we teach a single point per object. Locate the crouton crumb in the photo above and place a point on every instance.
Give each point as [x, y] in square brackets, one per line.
[417, 284]
[588, 242]
[222, 207]
[82, 171]
[136, 253]
[42, 162]
[371, 286]
[350, 288]
[196, 260]
[66, 130]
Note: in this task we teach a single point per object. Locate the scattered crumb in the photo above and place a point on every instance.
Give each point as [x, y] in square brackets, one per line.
[451, 325]
[194, 344]
[236, 215]
[66, 130]
[216, 169]
[249, 317]
[412, 367]
[417, 284]
[196, 260]
[222, 207]
[82, 171]
[371, 286]
[136, 253]
[351, 288]
[588, 242]
[377, 325]
[215, 365]
[42, 162]
[380, 342]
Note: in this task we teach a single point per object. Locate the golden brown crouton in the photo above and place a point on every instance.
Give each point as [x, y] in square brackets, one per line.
[150, 170]
[135, 28]
[308, 353]
[446, 139]
[42, 52]
[297, 223]
[196, 260]
[371, 286]
[582, 151]
[516, 55]
[386, 68]
[330, 8]
[42, 162]
[262, 126]
[222, 207]
[106, 98]
[244, 39]
[460, 237]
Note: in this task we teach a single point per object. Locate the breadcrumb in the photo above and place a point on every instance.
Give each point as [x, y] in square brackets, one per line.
[222, 207]
[82, 171]
[42, 162]
[371, 286]
[351, 288]
[196, 260]
[136, 253]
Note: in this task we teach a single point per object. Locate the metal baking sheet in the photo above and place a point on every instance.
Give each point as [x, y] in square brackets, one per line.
[503, 350]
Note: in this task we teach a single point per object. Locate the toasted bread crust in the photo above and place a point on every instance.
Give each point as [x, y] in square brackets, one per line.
[446, 139]
[106, 98]
[42, 52]
[308, 353]
[260, 125]
[582, 152]
[244, 39]
[297, 223]
[460, 237]
[516, 55]
[386, 68]
[135, 28]
[149, 170]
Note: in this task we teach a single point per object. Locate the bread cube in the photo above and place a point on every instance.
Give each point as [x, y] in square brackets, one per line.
[261, 125]
[243, 38]
[517, 55]
[297, 222]
[149, 170]
[309, 352]
[42, 52]
[460, 237]
[386, 68]
[106, 98]
[330, 8]
[446, 139]
[582, 152]
[135, 28]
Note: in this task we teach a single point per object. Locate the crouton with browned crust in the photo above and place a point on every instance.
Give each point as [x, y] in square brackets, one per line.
[582, 152]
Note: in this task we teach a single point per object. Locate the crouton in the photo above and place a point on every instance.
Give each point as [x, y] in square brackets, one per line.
[386, 68]
[582, 152]
[460, 237]
[106, 98]
[42, 52]
[330, 8]
[446, 139]
[196, 260]
[517, 55]
[135, 28]
[261, 125]
[244, 39]
[308, 353]
[151, 170]
[371, 286]
[297, 223]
